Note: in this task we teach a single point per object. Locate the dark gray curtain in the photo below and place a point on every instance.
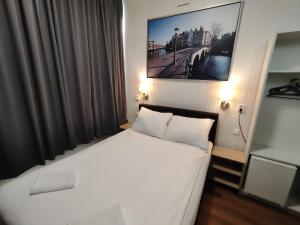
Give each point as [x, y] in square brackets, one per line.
[61, 77]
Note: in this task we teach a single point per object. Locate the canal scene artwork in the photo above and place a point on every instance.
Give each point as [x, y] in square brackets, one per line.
[195, 45]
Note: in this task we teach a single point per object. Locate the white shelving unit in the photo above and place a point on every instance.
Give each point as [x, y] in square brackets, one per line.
[274, 138]
[270, 180]
[279, 155]
[295, 208]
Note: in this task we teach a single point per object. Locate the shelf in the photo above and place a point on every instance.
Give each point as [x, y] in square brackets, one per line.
[229, 154]
[125, 126]
[285, 72]
[227, 170]
[283, 156]
[227, 166]
[225, 182]
[284, 96]
[295, 208]
[289, 36]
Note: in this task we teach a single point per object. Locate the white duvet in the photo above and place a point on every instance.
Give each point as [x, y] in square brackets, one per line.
[151, 179]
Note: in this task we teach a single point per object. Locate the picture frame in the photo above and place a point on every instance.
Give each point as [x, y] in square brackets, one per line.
[196, 45]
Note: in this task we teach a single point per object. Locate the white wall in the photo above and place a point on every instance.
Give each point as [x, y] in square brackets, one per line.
[260, 19]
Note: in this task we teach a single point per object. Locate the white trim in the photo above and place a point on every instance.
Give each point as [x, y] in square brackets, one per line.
[260, 91]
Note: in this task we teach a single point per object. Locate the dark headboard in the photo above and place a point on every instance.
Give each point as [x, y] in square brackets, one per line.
[188, 113]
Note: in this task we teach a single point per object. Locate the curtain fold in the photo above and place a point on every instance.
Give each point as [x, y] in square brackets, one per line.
[62, 77]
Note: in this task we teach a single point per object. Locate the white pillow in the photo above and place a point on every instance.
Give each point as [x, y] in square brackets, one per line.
[151, 122]
[190, 131]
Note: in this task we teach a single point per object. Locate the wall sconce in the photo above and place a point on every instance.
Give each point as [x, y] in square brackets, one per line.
[144, 89]
[226, 95]
[225, 104]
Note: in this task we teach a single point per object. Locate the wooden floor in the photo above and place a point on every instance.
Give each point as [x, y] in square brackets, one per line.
[220, 206]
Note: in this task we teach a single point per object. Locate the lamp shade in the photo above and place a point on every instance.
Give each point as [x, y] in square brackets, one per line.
[226, 92]
[144, 86]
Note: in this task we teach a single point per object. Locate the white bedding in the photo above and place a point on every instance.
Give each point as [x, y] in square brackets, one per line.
[108, 216]
[156, 182]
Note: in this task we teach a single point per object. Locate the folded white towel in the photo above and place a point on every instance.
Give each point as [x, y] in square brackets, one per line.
[109, 216]
[54, 181]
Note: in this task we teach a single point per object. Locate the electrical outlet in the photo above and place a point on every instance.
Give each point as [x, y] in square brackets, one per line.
[241, 108]
[236, 131]
[137, 97]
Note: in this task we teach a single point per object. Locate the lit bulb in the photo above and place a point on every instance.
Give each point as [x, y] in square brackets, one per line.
[144, 87]
[226, 93]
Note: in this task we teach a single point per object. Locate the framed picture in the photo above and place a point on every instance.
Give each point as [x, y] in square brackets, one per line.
[195, 45]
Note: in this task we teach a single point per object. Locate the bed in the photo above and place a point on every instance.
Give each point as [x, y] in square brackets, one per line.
[156, 182]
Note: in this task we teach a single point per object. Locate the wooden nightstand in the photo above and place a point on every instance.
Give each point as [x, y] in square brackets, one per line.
[125, 126]
[226, 166]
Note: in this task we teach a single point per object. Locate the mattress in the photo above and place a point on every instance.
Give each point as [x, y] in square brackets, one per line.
[156, 182]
